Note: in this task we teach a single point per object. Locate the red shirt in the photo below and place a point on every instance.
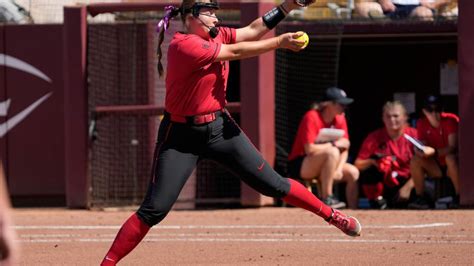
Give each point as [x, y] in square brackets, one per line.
[438, 137]
[379, 142]
[195, 84]
[309, 128]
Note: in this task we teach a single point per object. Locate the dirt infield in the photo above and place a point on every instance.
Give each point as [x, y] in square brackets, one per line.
[266, 236]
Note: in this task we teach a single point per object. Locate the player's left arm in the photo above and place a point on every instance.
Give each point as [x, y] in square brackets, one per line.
[255, 30]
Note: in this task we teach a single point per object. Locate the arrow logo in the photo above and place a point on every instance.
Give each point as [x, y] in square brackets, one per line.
[16, 63]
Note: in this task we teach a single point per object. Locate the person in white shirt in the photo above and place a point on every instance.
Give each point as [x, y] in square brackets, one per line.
[400, 9]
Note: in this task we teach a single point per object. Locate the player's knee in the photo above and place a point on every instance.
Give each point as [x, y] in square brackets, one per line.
[332, 153]
[152, 215]
[353, 173]
[363, 9]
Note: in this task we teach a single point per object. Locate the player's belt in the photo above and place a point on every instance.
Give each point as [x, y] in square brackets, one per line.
[195, 119]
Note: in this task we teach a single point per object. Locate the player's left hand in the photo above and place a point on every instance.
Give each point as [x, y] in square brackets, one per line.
[289, 41]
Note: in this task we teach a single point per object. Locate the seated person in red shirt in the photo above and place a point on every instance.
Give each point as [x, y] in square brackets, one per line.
[384, 160]
[438, 131]
[325, 161]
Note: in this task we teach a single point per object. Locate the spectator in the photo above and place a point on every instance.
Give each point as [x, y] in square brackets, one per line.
[8, 248]
[325, 161]
[384, 160]
[11, 12]
[438, 131]
[400, 9]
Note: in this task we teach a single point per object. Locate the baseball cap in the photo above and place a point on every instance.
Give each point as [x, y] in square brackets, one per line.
[433, 103]
[337, 95]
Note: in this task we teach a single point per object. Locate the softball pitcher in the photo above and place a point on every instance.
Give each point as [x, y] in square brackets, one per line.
[197, 126]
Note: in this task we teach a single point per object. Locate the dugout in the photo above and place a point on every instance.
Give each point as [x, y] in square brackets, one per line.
[371, 61]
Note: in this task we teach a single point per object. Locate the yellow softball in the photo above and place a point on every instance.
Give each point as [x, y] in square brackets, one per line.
[304, 38]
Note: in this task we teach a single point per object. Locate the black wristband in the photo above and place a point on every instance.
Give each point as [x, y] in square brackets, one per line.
[273, 17]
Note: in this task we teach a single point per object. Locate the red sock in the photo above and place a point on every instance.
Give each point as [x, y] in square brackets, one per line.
[131, 233]
[300, 196]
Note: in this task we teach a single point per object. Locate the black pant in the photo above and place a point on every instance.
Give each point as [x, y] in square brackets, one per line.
[179, 148]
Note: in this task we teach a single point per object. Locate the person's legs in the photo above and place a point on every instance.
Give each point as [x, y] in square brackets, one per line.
[392, 193]
[421, 166]
[173, 164]
[405, 191]
[231, 147]
[322, 165]
[422, 12]
[453, 171]
[365, 9]
[350, 175]
[371, 182]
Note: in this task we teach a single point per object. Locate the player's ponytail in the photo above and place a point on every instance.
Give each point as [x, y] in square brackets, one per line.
[170, 12]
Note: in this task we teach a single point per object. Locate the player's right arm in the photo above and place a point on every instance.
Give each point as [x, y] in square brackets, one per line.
[241, 50]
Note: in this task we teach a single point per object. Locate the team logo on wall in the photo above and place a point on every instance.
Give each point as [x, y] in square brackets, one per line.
[10, 123]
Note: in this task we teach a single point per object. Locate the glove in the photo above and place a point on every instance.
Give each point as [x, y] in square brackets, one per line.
[304, 3]
[384, 165]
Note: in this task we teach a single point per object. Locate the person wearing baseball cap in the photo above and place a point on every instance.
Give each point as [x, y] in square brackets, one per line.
[438, 131]
[325, 159]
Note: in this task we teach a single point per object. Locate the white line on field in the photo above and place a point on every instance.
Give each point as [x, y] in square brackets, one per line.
[180, 227]
[410, 236]
[345, 240]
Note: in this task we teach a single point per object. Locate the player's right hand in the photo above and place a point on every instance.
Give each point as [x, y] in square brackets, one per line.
[429, 151]
[387, 5]
[289, 41]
